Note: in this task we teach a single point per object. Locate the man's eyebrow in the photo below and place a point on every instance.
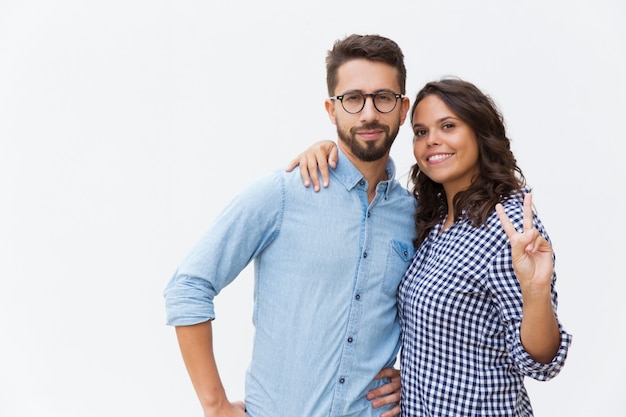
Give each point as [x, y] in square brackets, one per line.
[382, 90]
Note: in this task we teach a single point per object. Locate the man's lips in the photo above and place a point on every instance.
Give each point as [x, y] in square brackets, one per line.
[370, 134]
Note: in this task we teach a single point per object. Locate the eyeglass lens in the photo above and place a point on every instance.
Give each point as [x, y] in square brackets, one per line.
[354, 102]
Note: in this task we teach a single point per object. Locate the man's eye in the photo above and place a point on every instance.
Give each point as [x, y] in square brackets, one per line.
[385, 97]
[352, 97]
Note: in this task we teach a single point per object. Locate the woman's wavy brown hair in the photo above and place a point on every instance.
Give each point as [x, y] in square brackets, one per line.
[498, 174]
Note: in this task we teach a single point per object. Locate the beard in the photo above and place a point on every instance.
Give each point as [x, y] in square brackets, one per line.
[370, 151]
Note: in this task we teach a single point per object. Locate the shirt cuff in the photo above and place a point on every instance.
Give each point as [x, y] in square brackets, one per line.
[188, 301]
[537, 370]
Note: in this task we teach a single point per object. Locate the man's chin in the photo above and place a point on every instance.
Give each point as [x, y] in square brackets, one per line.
[369, 151]
[371, 154]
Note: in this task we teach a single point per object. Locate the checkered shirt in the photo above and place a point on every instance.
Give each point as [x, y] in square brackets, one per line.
[460, 309]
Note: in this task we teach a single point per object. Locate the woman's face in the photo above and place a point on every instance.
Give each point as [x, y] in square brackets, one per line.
[445, 147]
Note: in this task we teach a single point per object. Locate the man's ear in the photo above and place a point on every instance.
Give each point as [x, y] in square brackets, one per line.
[406, 105]
[329, 105]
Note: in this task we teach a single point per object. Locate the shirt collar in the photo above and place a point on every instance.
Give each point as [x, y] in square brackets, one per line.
[350, 176]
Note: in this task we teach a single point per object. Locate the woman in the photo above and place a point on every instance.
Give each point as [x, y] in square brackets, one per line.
[478, 304]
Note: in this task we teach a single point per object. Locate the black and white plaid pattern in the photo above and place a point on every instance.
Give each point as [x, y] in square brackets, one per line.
[460, 309]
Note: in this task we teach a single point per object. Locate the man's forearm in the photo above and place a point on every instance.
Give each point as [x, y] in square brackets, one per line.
[196, 346]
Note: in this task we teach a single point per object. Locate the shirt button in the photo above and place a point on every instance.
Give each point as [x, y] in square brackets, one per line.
[342, 380]
[361, 182]
[368, 214]
[350, 339]
[358, 296]
[365, 254]
[406, 253]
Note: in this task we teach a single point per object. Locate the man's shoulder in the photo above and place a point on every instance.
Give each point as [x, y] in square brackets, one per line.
[263, 188]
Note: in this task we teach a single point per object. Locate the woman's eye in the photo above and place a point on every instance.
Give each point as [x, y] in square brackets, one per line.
[419, 133]
[448, 126]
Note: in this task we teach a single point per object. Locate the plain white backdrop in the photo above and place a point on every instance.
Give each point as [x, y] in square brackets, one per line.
[125, 127]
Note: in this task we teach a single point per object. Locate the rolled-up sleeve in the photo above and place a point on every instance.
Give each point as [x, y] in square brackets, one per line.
[188, 300]
[509, 300]
[242, 230]
[537, 370]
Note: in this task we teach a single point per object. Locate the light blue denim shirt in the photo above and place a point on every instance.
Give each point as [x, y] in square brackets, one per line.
[327, 269]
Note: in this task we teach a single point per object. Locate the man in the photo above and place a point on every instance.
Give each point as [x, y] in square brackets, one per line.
[326, 268]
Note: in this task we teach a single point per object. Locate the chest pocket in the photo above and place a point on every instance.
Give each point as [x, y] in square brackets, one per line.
[399, 258]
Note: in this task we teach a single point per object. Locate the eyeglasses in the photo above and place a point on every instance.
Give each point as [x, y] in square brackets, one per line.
[384, 101]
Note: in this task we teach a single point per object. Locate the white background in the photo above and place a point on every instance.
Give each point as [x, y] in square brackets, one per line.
[126, 125]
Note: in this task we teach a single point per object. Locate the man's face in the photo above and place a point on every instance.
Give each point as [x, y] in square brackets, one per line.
[368, 134]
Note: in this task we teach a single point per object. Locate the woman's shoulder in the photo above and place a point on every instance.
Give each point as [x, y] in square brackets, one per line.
[513, 205]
